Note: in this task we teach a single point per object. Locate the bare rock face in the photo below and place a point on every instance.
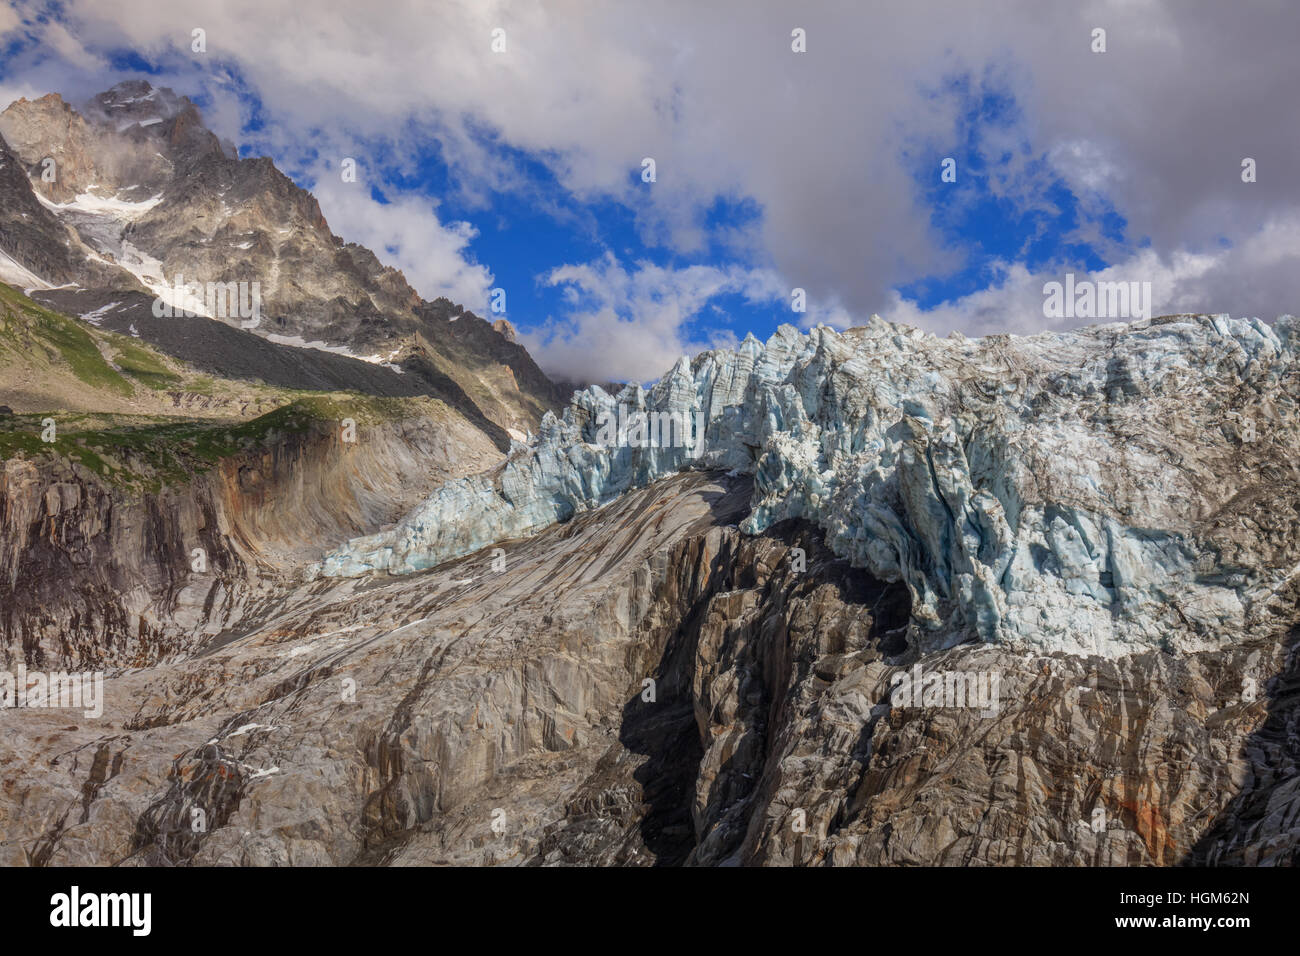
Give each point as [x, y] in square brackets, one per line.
[645, 685]
[115, 151]
[375, 723]
[34, 245]
[503, 328]
[94, 574]
[792, 742]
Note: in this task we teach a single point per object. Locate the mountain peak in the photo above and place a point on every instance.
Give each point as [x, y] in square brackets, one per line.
[136, 101]
[148, 198]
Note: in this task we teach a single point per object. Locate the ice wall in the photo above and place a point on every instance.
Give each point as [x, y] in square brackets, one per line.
[1049, 490]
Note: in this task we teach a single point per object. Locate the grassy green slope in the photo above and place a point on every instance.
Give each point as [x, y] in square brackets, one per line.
[134, 416]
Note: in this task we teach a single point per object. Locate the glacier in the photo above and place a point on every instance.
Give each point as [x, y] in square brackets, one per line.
[1087, 491]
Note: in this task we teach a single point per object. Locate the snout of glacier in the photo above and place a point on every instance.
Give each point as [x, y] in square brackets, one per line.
[1100, 491]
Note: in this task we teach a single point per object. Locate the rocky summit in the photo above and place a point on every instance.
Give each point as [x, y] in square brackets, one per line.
[358, 584]
[120, 203]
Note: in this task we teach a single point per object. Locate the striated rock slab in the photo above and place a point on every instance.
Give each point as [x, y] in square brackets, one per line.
[642, 685]
[781, 742]
[469, 689]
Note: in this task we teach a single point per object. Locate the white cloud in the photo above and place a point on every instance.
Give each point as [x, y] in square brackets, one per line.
[407, 234]
[627, 324]
[828, 144]
[56, 36]
[9, 20]
[1223, 280]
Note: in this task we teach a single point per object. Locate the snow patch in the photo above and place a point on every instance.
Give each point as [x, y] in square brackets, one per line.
[241, 730]
[96, 316]
[94, 205]
[298, 342]
[16, 274]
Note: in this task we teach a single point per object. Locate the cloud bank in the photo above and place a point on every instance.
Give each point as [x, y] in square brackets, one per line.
[837, 148]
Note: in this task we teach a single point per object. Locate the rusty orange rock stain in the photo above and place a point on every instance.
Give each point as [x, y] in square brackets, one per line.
[1151, 827]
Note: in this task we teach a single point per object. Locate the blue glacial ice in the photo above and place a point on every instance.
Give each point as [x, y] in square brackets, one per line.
[1050, 491]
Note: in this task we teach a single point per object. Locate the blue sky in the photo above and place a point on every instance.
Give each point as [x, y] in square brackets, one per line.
[520, 169]
[521, 242]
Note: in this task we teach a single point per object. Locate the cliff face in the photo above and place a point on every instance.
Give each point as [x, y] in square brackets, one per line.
[36, 249]
[96, 573]
[782, 741]
[647, 685]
